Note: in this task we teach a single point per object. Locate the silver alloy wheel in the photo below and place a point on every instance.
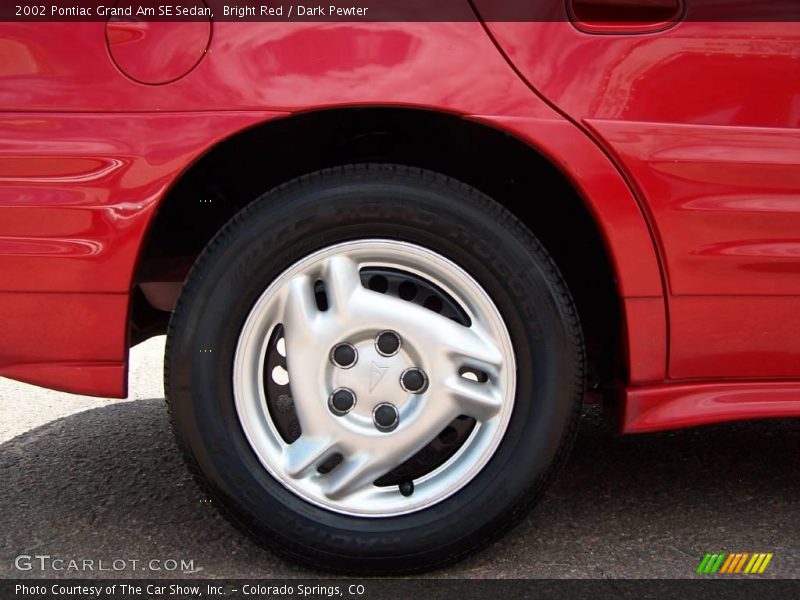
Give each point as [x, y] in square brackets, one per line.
[446, 352]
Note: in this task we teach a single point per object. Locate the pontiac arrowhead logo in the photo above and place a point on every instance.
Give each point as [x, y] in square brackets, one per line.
[378, 371]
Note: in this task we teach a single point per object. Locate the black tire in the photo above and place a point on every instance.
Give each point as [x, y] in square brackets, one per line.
[378, 201]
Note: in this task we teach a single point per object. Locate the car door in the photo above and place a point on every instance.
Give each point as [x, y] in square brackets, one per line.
[698, 102]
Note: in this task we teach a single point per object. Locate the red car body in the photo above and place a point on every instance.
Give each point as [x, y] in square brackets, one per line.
[682, 139]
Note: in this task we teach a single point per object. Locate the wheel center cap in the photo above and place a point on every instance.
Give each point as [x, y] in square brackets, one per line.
[375, 379]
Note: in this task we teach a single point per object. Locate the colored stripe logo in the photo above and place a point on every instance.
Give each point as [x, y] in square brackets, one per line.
[732, 563]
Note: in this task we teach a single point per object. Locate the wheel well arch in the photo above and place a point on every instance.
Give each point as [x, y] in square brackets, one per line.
[244, 166]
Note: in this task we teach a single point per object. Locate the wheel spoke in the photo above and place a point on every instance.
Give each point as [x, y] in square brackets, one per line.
[353, 474]
[301, 315]
[302, 331]
[305, 453]
[471, 347]
[342, 281]
[478, 400]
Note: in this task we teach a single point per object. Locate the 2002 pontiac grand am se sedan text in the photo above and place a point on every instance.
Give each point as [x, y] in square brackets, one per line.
[392, 258]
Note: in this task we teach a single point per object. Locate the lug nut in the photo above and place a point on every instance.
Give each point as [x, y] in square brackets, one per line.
[341, 401]
[413, 380]
[387, 343]
[385, 416]
[344, 355]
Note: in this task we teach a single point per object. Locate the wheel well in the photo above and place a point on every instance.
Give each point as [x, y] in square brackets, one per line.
[242, 168]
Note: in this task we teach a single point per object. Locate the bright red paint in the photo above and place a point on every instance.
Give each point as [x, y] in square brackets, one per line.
[684, 143]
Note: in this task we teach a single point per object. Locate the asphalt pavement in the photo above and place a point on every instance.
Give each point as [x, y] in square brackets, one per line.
[101, 480]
